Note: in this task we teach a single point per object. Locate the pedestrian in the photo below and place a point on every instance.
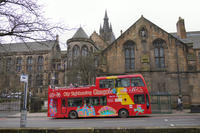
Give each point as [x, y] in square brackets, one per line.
[71, 85]
[180, 103]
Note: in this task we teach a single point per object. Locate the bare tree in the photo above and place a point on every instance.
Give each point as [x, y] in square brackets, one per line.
[83, 71]
[22, 20]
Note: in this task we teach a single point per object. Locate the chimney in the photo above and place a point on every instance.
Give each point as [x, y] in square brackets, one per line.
[180, 25]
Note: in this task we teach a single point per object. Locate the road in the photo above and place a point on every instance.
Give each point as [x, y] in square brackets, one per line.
[145, 121]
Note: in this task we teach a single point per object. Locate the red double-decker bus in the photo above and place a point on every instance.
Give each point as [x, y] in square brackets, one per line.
[122, 96]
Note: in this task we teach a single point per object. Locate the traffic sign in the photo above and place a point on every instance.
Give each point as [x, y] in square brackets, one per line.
[24, 78]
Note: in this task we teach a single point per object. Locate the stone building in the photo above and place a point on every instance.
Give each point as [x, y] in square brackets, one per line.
[168, 62]
[106, 31]
[40, 60]
[79, 56]
[86, 49]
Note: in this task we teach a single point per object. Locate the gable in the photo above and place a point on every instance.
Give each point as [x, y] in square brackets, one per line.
[99, 42]
[134, 32]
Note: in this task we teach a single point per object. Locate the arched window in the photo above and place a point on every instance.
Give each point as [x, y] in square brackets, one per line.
[84, 51]
[91, 49]
[129, 51]
[29, 63]
[159, 53]
[18, 64]
[40, 60]
[29, 60]
[8, 64]
[40, 63]
[19, 61]
[76, 51]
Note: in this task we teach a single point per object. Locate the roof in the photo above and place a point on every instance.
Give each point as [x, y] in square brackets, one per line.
[192, 37]
[27, 47]
[144, 19]
[80, 33]
[195, 38]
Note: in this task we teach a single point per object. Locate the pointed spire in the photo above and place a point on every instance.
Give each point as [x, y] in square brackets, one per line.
[100, 28]
[106, 16]
[110, 27]
[106, 24]
[106, 31]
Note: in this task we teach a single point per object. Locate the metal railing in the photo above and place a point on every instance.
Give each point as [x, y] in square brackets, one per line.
[161, 102]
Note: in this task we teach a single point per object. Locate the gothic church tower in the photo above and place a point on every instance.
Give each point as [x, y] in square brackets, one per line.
[106, 32]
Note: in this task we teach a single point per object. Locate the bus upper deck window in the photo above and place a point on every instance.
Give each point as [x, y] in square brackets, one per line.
[106, 83]
[137, 82]
[123, 82]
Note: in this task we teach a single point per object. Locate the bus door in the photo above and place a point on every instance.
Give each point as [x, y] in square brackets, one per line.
[140, 106]
[53, 107]
[148, 103]
[63, 106]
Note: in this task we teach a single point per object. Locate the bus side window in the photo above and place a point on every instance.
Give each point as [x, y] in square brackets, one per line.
[106, 83]
[63, 103]
[136, 81]
[103, 100]
[101, 84]
[139, 99]
[95, 101]
[74, 102]
[123, 82]
[91, 101]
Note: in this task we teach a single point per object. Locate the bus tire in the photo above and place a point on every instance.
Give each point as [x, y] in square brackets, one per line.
[123, 113]
[73, 114]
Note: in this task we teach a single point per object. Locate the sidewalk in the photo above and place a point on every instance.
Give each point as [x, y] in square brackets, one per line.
[184, 112]
[44, 114]
[18, 114]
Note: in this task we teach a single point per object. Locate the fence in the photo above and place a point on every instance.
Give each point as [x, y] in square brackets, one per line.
[161, 103]
[9, 104]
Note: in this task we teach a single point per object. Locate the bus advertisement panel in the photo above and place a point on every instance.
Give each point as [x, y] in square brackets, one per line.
[122, 96]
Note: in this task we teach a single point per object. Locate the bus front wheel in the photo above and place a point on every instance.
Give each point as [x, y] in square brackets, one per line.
[123, 113]
[73, 115]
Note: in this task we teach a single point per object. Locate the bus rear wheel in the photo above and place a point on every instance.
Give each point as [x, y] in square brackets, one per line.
[73, 115]
[123, 113]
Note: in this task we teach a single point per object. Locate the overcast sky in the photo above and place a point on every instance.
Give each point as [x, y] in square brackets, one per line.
[122, 14]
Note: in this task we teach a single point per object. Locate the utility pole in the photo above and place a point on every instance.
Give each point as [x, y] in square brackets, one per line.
[24, 78]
